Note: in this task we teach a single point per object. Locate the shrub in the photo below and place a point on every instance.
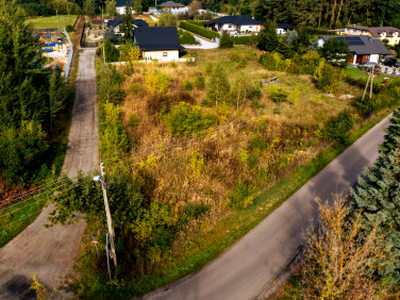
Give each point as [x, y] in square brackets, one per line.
[242, 195]
[185, 119]
[199, 82]
[187, 85]
[235, 57]
[226, 41]
[338, 127]
[327, 77]
[242, 40]
[257, 143]
[133, 120]
[135, 88]
[157, 82]
[200, 30]
[69, 28]
[186, 38]
[278, 95]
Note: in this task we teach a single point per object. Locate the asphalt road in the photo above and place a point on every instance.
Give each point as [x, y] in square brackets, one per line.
[50, 253]
[258, 263]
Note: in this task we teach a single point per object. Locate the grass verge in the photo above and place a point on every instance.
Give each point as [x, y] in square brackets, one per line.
[237, 224]
[52, 22]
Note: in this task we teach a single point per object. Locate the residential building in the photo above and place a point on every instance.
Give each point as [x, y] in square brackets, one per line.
[115, 23]
[391, 34]
[235, 25]
[121, 6]
[362, 47]
[158, 43]
[283, 28]
[174, 7]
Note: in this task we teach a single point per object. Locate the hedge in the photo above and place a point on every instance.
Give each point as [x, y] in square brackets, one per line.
[199, 30]
[362, 82]
[241, 40]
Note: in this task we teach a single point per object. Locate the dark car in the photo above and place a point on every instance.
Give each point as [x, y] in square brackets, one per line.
[391, 62]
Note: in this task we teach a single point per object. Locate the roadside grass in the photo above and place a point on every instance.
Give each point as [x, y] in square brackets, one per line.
[52, 22]
[207, 247]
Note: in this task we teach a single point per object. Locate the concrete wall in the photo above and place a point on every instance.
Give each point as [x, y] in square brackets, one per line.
[171, 55]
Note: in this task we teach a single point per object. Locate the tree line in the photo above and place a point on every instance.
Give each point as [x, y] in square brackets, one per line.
[31, 98]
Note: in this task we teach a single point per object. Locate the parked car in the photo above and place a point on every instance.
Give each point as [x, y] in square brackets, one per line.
[391, 62]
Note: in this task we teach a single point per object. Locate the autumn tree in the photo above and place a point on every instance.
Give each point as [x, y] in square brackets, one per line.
[167, 19]
[194, 8]
[342, 258]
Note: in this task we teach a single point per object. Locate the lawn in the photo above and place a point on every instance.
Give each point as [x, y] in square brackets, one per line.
[358, 73]
[52, 22]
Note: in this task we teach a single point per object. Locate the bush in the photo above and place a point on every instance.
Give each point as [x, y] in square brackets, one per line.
[186, 38]
[157, 82]
[133, 120]
[327, 77]
[226, 41]
[199, 82]
[69, 28]
[199, 30]
[22, 151]
[338, 127]
[278, 95]
[187, 85]
[242, 195]
[135, 88]
[186, 119]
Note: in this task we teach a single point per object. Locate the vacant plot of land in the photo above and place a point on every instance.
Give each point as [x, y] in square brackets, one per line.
[52, 22]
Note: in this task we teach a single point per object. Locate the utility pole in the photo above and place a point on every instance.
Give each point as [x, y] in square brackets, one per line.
[108, 214]
[372, 81]
[58, 19]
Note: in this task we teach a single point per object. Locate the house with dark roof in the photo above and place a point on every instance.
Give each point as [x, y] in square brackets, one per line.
[391, 34]
[362, 47]
[158, 43]
[172, 5]
[235, 25]
[118, 21]
[283, 28]
[121, 6]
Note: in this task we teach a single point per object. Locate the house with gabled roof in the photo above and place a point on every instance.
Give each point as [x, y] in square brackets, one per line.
[171, 5]
[158, 43]
[391, 34]
[115, 23]
[362, 47]
[121, 6]
[235, 25]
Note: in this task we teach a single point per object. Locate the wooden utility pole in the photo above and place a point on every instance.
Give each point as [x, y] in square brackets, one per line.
[108, 214]
[370, 78]
[372, 81]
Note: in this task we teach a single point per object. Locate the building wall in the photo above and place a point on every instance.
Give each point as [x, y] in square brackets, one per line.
[171, 55]
[280, 31]
[228, 27]
[121, 10]
[250, 28]
[393, 40]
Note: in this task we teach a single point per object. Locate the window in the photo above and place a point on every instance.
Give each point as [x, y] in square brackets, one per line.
[250, 26]
[165, 54]
[230, 26]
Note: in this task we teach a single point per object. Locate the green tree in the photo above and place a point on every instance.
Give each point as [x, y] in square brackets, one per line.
[377, 197]
[57, 95]
[89, 7]
[111, 9]
[167, 19]
[145, 5]
[336, 52]
[127, 27]
[392, 136]
[327, 77]
[226, 41]
[137, 6]
[218, 87]
[268, 38]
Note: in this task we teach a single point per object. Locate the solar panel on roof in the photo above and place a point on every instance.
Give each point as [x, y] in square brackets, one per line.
[352, 40]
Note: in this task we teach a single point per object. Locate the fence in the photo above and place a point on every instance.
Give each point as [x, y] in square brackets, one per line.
[70, 55]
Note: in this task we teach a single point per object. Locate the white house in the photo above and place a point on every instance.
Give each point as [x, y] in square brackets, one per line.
[158, 43]
[235, 25]
[362, 47]
[282, 28]
[391, 34]
[121, 6]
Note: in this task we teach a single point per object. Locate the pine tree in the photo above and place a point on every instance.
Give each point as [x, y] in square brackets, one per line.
[268, 38]
[377, 196]
[392, 137]
[127, 26]
[57, 95]
[218, 88]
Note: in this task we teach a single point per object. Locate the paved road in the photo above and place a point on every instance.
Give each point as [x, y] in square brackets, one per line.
[50, 253]
[203, 43]
[256, 265]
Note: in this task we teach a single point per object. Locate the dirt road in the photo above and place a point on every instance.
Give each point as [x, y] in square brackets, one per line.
[259, 262]
[50, 253]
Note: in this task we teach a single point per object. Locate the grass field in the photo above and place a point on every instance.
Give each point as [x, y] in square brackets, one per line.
[52, 22]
